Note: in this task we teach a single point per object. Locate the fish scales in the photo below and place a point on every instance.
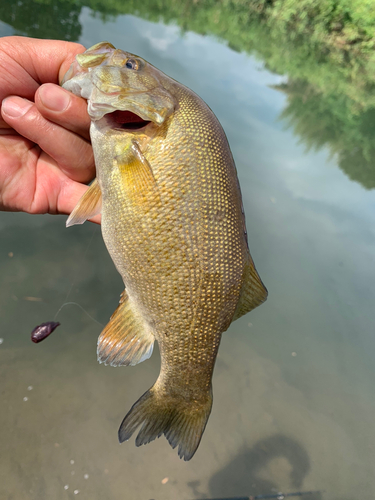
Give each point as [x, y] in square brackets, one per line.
[183, 228]
[173, 224]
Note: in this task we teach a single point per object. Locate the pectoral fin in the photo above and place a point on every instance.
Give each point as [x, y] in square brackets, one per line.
[125, 340]
[89, 205]
[253, 292]
[137, 176]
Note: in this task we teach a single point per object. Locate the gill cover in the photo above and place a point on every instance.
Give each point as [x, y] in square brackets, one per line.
[111, 79]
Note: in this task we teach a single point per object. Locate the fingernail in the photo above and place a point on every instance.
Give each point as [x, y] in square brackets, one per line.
[54, 97]
[15, 106]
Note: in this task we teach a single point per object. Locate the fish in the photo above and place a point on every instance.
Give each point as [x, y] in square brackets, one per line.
[174, 225]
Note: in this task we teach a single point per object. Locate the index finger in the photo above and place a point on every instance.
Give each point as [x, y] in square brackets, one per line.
[27, 63]
[41, 61]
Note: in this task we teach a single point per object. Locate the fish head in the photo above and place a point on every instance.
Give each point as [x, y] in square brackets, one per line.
[114, 80]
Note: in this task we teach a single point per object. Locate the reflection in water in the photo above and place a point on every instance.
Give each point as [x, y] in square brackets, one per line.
[331, 96]
[328, 120]
[57, 20]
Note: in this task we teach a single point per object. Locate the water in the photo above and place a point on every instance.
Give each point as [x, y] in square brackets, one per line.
[294, 395]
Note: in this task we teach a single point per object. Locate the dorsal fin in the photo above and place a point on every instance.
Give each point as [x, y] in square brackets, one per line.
[253, 292]
[125, 340]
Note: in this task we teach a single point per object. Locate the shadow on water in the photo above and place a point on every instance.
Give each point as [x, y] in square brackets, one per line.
[244, 475]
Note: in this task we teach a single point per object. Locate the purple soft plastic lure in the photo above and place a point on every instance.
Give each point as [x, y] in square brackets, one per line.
[42, 331]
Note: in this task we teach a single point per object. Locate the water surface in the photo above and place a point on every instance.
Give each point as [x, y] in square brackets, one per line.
[294, 395]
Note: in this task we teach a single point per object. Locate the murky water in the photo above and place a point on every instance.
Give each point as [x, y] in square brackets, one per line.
[294, 384]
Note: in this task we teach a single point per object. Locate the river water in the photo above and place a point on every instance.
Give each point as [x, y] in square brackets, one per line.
[294, 384]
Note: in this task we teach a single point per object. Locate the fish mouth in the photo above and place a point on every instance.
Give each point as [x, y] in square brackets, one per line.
[126, 120]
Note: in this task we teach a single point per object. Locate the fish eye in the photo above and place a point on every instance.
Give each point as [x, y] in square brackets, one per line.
[131, 64]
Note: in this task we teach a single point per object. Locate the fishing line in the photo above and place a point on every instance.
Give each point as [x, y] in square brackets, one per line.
[65, 303]
[84, 310]
[44, 330]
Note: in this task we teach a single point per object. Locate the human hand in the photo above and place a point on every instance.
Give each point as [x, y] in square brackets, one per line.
[45, 151]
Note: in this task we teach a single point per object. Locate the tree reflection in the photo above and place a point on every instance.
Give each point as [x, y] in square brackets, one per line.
[329, 120]
[331, 98]
[57, 19]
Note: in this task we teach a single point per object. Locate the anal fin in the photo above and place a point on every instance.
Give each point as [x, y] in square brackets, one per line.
[125, 340]
[253, 292]
[90, 204]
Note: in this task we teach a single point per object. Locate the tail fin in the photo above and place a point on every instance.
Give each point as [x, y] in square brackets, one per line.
[181, 421]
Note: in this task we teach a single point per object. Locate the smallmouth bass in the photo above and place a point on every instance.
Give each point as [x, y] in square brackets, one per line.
[173, 223]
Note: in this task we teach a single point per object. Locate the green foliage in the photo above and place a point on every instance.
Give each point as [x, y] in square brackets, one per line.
[339, 23]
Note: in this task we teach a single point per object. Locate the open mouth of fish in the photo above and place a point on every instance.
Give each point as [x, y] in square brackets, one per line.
[126, 120]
